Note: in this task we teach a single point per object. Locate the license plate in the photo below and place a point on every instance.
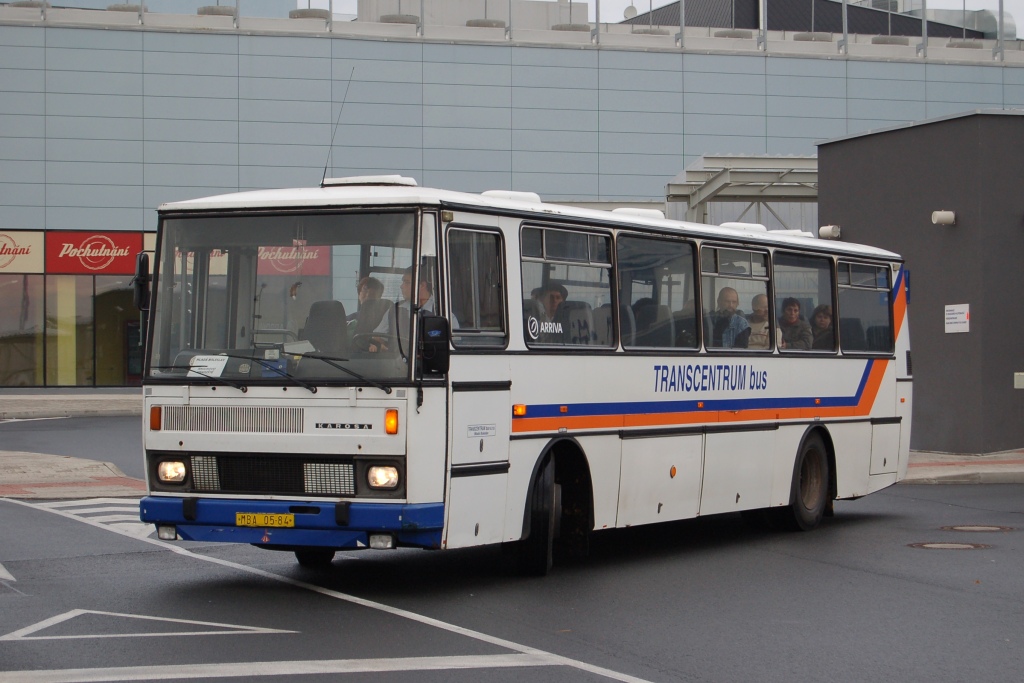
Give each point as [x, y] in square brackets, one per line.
[264, 519]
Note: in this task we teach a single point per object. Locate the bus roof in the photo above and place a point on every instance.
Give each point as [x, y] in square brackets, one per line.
[398, 191]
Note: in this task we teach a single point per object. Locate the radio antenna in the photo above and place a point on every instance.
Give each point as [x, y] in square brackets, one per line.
[344, 97]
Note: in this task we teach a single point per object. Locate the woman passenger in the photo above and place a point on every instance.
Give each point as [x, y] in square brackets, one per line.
[821, 327]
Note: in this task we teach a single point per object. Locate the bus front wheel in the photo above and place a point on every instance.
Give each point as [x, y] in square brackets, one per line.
[314, 558]
[536, 551]
[809, 496]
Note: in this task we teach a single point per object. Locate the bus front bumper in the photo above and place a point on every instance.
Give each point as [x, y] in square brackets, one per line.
[316, 523]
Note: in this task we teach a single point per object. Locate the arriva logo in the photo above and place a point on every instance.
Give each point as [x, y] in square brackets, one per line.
[95, 253]
[9, 250]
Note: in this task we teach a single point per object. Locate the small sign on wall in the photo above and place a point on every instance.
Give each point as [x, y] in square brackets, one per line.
[958, 318]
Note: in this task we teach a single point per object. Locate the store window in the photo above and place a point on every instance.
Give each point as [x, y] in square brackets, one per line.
[69, 330]
[118, 353]
[21, 330]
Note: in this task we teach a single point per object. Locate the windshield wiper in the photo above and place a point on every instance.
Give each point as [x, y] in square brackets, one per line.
[215, 378]
[330, 360]
[274, 368]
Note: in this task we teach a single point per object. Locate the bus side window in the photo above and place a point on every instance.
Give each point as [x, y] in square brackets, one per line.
[735, 296]
[566, 287]
[477, 291]
[803, 297]
[865, 322]
[656, 293]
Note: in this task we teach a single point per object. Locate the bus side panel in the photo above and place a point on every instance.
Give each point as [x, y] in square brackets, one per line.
[425, 462]
[737, 471]
[904, 407]
[522, 456]
[885, 438]
[852, 442]
[603, 457]
[660, 479]
[787, 443]
[476, 510]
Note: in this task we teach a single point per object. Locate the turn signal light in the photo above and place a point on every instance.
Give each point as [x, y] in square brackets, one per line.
[155, 418]
[391, 421]
[519, 410]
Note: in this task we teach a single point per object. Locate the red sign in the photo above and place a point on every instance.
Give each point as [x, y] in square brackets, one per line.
[92, 253]
[294, 260]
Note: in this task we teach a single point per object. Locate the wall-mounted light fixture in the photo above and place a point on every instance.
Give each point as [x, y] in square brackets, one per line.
[943, 218]
[829, 232]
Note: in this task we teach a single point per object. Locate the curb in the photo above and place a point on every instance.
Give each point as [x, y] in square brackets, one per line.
[30, 407]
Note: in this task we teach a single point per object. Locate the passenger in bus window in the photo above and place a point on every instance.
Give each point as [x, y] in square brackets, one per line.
[760, 335]
[729, 329]
[796, 332]
[552, 297]
[821, 327]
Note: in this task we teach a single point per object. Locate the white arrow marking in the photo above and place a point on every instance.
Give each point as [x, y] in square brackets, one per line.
[223, 629]
[5, 575]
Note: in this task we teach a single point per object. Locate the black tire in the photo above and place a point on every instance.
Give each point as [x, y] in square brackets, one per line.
[809, 494]
[536, 551]
[314, 558]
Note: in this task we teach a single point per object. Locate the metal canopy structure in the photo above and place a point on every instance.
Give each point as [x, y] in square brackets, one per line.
[753, 179]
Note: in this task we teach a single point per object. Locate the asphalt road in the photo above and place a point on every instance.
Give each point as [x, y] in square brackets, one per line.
[81, 598]
[107, 439]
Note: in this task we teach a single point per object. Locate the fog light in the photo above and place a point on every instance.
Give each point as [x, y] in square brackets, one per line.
[381, 541]
[380, 477]
[167, 533]
[171, 471]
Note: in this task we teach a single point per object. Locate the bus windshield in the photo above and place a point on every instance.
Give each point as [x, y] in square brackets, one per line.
[283, 299]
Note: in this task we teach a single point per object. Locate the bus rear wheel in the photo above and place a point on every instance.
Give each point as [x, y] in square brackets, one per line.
[314, 558]
[810, 491]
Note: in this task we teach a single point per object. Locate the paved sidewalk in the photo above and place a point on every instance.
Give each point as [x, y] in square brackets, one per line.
[51, 477]
[28, 404]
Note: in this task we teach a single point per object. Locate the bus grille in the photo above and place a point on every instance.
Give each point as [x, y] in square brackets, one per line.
[272, 474]
[233, 419]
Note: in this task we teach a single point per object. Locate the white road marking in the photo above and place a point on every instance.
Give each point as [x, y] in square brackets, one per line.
[221, 629]
[294, 668]
[89, 501]
[127, 522]
[551, 659]
[106, 519]
[5, 575]
[32, 419]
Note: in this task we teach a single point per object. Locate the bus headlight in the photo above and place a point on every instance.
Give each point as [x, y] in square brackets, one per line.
[382, 477]
[171, 471]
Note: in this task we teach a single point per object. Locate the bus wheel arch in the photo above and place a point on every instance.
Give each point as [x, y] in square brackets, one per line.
[559, 511]
[812, 487]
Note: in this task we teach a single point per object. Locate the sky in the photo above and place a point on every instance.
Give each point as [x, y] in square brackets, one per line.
[612, 10]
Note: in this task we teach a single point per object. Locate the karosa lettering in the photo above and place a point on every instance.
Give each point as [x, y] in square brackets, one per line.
[707, 377]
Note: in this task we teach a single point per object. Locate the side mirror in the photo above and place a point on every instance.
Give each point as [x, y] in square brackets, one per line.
[140, 283]
[434, 345]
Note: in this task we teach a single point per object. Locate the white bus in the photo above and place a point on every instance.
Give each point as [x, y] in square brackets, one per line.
[372, 364]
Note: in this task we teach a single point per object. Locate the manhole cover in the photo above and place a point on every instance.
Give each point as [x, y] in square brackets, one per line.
[976, 527]
[949, 546]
